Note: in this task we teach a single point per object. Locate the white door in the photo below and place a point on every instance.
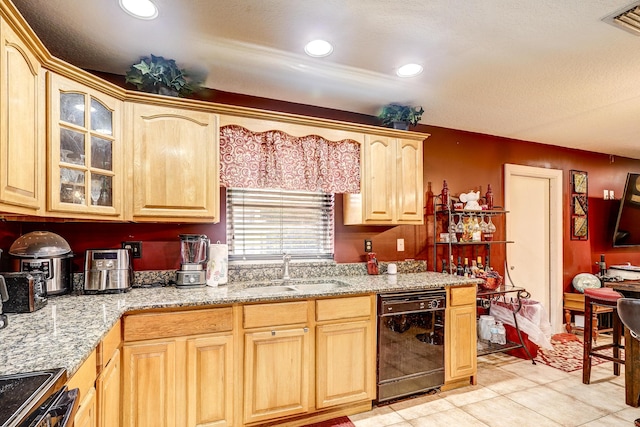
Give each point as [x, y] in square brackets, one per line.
[533, 198]
[529, 224]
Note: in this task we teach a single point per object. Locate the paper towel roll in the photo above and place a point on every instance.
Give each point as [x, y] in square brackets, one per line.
[217, 267]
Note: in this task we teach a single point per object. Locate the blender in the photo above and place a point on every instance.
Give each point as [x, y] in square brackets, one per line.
[194, 254]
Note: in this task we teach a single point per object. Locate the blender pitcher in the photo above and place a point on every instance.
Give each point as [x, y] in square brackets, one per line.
[194, 254]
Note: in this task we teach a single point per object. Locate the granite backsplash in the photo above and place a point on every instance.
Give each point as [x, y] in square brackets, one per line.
[242, 272]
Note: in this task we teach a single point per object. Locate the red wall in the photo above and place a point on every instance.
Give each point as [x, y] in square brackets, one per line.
[468, 161]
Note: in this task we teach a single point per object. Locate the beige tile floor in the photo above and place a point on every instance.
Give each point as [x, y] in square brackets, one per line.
[514, 392]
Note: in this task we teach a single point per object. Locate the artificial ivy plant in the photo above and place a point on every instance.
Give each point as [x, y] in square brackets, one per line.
[156, 74]
[393, 113]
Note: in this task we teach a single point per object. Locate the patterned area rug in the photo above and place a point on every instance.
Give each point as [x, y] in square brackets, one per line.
[336, 422]
[566, 354]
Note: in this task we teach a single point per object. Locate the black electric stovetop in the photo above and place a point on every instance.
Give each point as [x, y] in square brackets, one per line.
[20, 394]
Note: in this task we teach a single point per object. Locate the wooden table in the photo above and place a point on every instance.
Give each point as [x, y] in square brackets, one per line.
[630, 289]
[575, 302]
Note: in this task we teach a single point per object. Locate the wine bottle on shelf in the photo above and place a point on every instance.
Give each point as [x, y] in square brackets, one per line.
[487, 267]
[444, 195]
[474, 268]
[488, 197]
[603, 267]
[460, 268]
[479, 263]
[467, 269]
[429, 199]
[444, 266]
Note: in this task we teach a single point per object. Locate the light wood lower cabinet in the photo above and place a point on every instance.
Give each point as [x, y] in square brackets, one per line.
[108, 393]
[210, 381]
[249, 364]
[149, 384]
[277, 371]
[345, 351]
[178, 379]
[460, 335]
[343, 363]
[87, 415]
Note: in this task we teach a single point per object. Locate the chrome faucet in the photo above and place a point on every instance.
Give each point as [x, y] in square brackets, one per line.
[285, 268]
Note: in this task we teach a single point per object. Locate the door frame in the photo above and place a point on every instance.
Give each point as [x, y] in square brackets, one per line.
[555, 231]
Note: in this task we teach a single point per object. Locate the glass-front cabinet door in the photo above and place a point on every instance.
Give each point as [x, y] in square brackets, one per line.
[85, 151]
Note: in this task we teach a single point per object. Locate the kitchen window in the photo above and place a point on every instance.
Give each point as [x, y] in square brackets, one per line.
[262, 224]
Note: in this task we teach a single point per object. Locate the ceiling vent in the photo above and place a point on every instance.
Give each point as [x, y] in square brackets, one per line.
[628, 19]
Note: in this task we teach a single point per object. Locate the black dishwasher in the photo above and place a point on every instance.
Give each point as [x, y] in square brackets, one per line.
[410, 343]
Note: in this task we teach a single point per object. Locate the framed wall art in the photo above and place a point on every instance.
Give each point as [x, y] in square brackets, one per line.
[579, 205]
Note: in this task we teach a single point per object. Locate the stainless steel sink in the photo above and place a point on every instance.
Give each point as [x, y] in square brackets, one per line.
[319, 287]
[293, 286]
[269, 290]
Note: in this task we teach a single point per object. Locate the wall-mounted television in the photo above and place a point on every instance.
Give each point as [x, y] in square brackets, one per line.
[627, 230]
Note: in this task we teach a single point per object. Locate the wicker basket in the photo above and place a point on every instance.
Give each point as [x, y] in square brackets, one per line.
[490, 283]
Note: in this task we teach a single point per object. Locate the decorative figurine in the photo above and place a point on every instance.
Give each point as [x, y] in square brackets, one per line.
[471, 201]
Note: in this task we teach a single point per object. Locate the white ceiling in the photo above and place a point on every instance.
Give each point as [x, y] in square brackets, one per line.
[548, 71]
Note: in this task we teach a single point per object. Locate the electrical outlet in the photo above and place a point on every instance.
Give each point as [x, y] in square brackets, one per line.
[606, 194]
[135, 247]
[400, 245]
[368, 246]
[611, 195]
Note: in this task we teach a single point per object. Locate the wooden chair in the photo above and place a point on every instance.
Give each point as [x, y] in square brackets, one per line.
[600, 297]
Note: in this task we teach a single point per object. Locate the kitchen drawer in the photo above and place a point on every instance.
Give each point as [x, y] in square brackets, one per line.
[109, 344]
[343, 308]
[277, 314]
[84, 378]
[177, 324]
[462, 295]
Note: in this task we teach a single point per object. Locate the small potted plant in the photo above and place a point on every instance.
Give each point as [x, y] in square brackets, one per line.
[400, 116]
[163, 76]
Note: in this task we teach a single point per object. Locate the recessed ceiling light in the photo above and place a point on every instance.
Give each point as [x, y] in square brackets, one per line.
[141, 9]
[409, 70]
[318, 48]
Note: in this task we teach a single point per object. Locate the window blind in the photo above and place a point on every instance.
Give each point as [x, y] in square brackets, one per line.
[263, 224]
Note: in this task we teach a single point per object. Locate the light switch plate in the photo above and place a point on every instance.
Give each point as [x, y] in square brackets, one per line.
[400, 245]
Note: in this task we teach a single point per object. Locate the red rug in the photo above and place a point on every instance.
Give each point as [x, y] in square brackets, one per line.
[336, 422]
[566, 354]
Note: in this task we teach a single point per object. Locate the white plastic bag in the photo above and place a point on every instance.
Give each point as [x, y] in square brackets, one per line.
[532, 320]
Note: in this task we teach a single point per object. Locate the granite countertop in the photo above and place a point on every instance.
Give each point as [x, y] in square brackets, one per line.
[69, 327]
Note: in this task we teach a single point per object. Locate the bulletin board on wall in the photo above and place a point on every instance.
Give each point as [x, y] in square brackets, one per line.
[579, 205]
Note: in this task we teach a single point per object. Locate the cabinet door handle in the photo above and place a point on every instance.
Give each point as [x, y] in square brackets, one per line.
[273, 333]
[305, 330]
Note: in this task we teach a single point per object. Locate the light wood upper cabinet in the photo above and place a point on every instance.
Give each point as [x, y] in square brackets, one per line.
[391, 183]
[22, 132]
[86, 152]
[409, 187]
[175, 169]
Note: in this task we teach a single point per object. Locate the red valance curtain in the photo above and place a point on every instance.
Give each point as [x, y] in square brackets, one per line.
[274, 159]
